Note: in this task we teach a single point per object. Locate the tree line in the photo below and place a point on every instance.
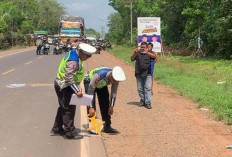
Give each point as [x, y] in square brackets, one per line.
[18, 18]
[182, 22]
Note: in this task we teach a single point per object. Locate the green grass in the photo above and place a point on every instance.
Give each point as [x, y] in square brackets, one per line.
[198, 79]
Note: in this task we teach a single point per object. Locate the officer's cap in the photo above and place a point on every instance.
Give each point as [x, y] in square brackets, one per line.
[118, 74]
[87, 49]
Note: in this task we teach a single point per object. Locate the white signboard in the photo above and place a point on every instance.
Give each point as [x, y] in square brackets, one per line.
[149, 30]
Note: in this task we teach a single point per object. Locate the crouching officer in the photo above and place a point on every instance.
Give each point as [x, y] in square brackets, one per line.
[70, 74]
[96, 81]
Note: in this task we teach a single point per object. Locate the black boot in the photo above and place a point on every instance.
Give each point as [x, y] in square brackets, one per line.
[110, 130]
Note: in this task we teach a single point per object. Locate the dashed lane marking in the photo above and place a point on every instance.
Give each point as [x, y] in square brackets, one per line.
[9, 71]
[29, 62]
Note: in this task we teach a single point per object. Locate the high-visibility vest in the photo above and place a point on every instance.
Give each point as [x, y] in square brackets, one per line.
[71, 56]
[102, 72]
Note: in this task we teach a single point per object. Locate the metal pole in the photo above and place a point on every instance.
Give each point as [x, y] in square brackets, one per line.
[131, 19]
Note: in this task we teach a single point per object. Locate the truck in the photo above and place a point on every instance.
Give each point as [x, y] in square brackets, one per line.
[71, 27]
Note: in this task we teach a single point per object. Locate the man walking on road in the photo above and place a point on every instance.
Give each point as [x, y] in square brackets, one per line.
[69, 76]
[143, 74]
[97, 81]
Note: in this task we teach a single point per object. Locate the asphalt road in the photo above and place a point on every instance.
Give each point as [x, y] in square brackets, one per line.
[28, 107]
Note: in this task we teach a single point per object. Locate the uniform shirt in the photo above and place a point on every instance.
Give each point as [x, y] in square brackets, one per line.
[70, 70]
[96, 79]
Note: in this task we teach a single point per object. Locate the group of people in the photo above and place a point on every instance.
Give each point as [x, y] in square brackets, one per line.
[70, 74]
[40, 43]
[145, 59]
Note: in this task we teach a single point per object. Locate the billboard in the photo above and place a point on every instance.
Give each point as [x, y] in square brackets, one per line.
[71, 24]
[149, 30]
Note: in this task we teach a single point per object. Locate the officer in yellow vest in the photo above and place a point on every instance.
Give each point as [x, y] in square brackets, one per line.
[70, 74]
[97, 81]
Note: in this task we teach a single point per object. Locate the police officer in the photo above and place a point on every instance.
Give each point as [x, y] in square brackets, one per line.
[70, 74]
[38, 44]
[96, 82]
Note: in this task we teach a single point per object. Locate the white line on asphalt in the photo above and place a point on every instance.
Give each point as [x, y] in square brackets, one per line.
[85, 141]
[85, 152]
[9, 71]
[40, 57]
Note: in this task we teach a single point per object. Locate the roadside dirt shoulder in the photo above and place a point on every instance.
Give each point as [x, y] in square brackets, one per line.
[173, 127]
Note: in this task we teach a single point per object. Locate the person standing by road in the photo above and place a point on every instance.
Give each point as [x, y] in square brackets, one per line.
[70, 74]
[96, 81]
[143, 74]
[153, 61]
[38, 44]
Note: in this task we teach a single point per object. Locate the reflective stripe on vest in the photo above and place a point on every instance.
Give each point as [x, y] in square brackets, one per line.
[102, 72]
[61, 70]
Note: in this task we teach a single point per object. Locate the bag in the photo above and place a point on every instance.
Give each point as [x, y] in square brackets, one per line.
[144, 64]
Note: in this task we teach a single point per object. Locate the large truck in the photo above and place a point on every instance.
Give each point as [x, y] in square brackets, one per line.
[71, 27]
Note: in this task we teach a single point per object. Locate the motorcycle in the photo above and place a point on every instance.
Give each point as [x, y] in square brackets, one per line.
[46, 49]
[67, 48]
[98, 47]
[61, 48]
[56, 49]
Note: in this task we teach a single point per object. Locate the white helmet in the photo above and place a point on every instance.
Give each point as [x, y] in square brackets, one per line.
[87, 49]
[118, 74]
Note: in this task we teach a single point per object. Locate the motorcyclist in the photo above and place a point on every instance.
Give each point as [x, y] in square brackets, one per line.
[43, 46]
[74, 44]
[56, 46]
[68, 45]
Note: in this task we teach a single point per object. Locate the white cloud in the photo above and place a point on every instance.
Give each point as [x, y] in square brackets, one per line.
[91, 10]
[79, 6]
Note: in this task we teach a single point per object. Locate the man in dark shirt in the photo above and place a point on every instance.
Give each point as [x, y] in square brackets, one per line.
[143, 74]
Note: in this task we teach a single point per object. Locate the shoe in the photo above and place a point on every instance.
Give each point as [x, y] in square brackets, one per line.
[56, 133]
[74, 137]
[141, 104]
[148, 106]
[110, 130]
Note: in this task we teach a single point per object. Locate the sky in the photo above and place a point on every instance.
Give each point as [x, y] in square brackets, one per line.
[95, 12]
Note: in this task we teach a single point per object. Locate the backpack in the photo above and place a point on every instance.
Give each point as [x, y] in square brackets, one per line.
[144, 64]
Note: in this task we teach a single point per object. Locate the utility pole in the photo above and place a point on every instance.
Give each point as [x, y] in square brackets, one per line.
[102, 29]
[131, 19]
[131, 6]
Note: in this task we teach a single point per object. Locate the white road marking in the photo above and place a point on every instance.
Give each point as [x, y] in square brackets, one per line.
[15, 85]
[85, 152]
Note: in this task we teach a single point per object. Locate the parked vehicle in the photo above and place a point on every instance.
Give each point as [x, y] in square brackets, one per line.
[98, 47]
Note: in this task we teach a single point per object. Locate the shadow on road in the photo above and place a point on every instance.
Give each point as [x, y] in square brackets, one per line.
[133, 103]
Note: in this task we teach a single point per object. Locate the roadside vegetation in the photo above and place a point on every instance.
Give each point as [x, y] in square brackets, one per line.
[181, 23]
[207, 81]
[20, 18]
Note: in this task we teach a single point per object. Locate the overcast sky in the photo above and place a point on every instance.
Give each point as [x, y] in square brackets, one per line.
[95, 12]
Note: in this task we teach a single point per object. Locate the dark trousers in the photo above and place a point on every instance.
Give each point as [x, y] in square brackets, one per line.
[65, 112]
[103, 100]
[38, 49]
